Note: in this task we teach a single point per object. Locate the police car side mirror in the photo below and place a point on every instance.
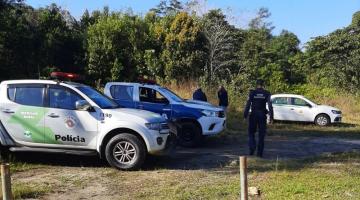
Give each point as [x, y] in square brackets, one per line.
[83, 105]
[309, 105]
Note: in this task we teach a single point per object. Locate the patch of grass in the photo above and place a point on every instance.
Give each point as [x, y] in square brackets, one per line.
[72, 180]
[309, 130]
[29, 190]
[21, 166]
[175, 184]
[332, 176]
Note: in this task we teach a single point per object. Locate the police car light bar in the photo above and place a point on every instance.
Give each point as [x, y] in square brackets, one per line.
[65, 76]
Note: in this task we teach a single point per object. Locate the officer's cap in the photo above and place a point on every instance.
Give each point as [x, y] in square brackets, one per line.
[260, 82]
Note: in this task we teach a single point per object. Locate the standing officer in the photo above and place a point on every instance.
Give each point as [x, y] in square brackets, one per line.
[257, 120]
[199, 95]
[223, 98]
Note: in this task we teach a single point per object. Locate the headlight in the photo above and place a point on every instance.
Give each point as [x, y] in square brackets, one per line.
[209, 113]
[153, 126]
[336, 111]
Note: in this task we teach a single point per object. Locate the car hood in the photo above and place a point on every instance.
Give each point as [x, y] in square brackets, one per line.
[326, 107]
[128, 113]
[201, 105]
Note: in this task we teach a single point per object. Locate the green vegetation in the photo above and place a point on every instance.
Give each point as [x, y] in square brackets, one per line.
[175, 44]
[333, 176]
[29, 191]
[21, 166]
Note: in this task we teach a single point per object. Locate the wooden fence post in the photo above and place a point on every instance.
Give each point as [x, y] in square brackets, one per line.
[6, 181]
[243, 179]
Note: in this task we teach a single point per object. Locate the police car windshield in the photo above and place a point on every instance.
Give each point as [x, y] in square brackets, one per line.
[101, 100]
[171, 94]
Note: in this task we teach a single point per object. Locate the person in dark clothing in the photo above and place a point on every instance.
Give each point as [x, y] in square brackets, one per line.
[257, 101]
[223, 98]
[199, 95]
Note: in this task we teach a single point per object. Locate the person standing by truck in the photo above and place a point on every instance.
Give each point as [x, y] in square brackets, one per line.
[199, 95]
[223, 98]
[257, 101]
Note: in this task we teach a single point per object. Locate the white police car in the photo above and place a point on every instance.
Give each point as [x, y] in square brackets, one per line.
[290, 107]
[190, 119]
[68, 117]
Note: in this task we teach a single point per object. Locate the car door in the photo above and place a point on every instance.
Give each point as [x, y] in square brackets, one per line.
[301, 109]
[152, 100]
[282, 108]
[22, 113]
[123, 95]
[65, 125]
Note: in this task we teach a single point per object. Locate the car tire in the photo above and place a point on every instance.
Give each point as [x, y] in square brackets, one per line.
[125, 152]
[322, 120]
[189, 134]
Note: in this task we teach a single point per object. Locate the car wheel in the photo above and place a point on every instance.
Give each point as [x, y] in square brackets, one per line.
[189, 134]
[322, 120]
[125, 151]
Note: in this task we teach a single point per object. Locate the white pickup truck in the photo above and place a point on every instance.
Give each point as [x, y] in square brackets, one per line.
[68, 117]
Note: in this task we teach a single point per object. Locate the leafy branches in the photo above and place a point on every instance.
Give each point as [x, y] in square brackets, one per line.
[219, 45]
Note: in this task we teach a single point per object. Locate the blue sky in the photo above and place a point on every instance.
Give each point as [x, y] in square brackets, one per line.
[305, 18]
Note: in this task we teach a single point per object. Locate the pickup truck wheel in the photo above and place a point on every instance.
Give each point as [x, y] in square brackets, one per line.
[125, 151]
[189, 134]
[322, 120]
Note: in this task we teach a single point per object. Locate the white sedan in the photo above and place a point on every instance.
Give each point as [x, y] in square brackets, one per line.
[290, 107]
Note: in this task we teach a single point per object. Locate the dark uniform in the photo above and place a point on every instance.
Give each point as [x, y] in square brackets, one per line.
[223, 98]
[199, 95]
[257, 120]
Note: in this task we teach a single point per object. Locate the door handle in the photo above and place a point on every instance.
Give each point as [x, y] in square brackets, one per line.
[140, 106]
[166, 109]
[53, 115]
[291, 108]
[8, 111]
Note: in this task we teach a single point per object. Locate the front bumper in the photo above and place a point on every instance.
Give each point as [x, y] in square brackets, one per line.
[168, 145]
[336, 118]
[212, 125]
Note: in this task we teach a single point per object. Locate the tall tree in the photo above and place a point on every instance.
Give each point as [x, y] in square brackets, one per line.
[219, 45]
[183, 53]
[116, 47]
[107, 46]
[167, 7]
[281, 50]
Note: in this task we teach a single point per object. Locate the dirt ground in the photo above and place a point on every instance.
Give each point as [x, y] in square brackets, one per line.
[213, 155]
[79, 177]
